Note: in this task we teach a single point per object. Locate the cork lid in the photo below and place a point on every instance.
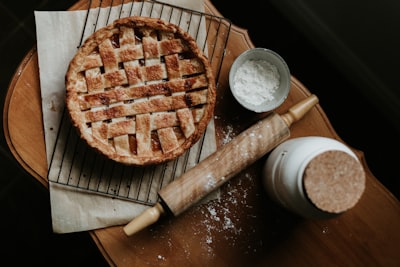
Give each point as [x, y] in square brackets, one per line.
[334, 181]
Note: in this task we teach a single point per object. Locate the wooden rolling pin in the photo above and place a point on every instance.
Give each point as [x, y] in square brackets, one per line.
[220, 166]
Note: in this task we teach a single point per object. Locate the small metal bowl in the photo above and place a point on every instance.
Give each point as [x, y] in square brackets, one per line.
[243, 92]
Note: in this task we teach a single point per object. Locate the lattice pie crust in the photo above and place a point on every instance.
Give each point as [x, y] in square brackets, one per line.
[140, 91]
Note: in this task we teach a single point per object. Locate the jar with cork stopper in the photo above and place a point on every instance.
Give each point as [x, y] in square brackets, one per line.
[314, 176]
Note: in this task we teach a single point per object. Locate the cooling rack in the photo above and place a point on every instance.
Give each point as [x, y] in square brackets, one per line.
[75, 165]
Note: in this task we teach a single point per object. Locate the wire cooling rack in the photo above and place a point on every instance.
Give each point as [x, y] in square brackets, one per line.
[74, 164]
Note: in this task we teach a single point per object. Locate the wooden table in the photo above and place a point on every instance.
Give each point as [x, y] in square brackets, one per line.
[244, 227]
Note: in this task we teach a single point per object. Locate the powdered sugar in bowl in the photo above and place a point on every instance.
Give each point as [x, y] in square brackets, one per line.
[259, 79]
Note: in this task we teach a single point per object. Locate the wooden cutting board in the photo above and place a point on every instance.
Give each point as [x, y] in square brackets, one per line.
[243, 227]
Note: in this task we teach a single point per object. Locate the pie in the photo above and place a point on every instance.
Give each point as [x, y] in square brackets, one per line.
[140, 91]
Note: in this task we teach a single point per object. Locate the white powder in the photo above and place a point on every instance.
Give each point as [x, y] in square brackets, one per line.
[255, 81]
[228, 134]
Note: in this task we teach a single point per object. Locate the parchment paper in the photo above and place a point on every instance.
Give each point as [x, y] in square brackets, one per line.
[59, 34]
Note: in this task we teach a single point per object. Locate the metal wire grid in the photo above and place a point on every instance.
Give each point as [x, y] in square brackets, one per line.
[74, 164]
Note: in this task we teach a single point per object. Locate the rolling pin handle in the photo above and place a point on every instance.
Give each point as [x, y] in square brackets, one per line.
[144, 219]
[297, 111]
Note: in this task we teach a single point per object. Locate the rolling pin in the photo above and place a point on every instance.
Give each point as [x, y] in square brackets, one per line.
[223, 164]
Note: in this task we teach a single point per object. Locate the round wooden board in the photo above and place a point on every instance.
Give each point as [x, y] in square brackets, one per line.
[243, 227]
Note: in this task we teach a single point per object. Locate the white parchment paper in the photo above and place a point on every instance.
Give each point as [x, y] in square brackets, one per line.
[58, 36]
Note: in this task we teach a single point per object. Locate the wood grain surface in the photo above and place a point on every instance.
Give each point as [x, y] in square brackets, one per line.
[243, 227]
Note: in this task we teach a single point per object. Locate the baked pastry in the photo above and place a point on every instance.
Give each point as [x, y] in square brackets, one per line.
[140, 91]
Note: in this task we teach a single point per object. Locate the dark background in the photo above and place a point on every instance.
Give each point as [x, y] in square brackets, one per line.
[346, 52]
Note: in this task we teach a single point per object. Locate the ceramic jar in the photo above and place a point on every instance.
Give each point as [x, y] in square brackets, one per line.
[335, 177]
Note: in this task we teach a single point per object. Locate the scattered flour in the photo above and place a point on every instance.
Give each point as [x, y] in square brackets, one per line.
[228, 134]
[220, 221]
[220, 216]
[256, 81]
[161, 257]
